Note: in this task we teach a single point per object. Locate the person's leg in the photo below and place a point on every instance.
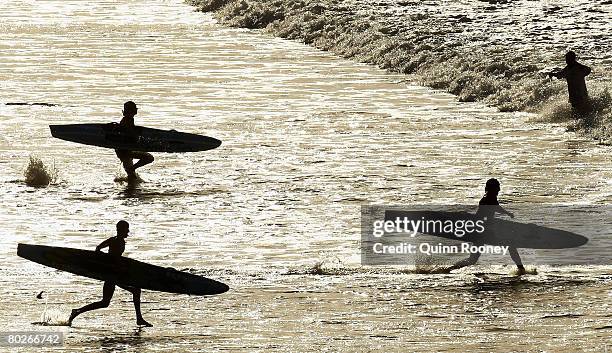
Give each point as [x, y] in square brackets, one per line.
[136, 298]
[107, 294]
[128, 166]
[144, 158]
[583, 112]
[126, 159]
[517, 260]
[471, 260]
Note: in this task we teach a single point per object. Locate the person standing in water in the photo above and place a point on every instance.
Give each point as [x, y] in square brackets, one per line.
[574, 73]
[125, 156]
[116, 247]
[487, 207]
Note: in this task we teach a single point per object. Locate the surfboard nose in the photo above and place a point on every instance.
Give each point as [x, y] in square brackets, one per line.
[223, 288]
[209, 287]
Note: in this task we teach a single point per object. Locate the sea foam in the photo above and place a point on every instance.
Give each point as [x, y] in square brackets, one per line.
[492, 52]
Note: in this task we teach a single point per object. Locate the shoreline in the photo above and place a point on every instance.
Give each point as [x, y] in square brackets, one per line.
[463, 51]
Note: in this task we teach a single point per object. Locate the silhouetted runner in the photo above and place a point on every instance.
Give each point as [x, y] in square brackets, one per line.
[116, 246]
[127, 157]
[574, 73]
[487, 207]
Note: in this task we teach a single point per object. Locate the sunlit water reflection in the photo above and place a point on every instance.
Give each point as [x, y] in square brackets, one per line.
[307, 138]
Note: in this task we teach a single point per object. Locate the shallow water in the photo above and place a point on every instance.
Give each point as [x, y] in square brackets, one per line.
[274, 212]
[493, 51]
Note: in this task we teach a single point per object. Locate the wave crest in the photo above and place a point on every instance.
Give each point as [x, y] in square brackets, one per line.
[445, 50]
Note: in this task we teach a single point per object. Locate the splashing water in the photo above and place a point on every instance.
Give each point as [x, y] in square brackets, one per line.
[430, 265]
[601, 101]
[529, 270]
[598, 122]
[121, 179]
[55, 316]
[329, 264]
[448, 51]
[38, 175]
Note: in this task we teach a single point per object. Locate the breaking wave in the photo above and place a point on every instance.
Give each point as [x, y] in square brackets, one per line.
[493, 52]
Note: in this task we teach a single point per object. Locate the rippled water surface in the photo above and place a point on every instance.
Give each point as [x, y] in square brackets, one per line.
[274, 212]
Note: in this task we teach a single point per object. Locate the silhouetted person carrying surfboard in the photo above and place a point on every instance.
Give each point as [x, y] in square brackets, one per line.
[116, 247]
[574, 73]
[127, 157]
[487, 207]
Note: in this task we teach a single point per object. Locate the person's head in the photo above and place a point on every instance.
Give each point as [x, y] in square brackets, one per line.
[570, 57]
[129, 109]
[123, 229]
[492, 187]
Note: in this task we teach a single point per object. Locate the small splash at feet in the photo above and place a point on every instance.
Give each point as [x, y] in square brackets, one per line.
[53, 317]
[430, 265]
[121, 179]
[329, 264]
[431, 269]
[528, 271]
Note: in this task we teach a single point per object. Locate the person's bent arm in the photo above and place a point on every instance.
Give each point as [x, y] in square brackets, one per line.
[558, 74]
[102, 245]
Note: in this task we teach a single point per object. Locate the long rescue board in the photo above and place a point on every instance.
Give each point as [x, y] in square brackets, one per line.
[139, 138]
[121, 270]
[497, 231]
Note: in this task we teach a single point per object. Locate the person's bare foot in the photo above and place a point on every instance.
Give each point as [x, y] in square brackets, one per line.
[143, 322]
[520, 271]
[134, 180]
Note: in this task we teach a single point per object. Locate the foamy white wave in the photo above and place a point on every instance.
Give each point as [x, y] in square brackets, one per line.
[480, 51]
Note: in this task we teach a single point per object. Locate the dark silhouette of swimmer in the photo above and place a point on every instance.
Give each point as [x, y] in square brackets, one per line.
[574, 73]
[127, 157]
[116, 246]
[487, 207]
